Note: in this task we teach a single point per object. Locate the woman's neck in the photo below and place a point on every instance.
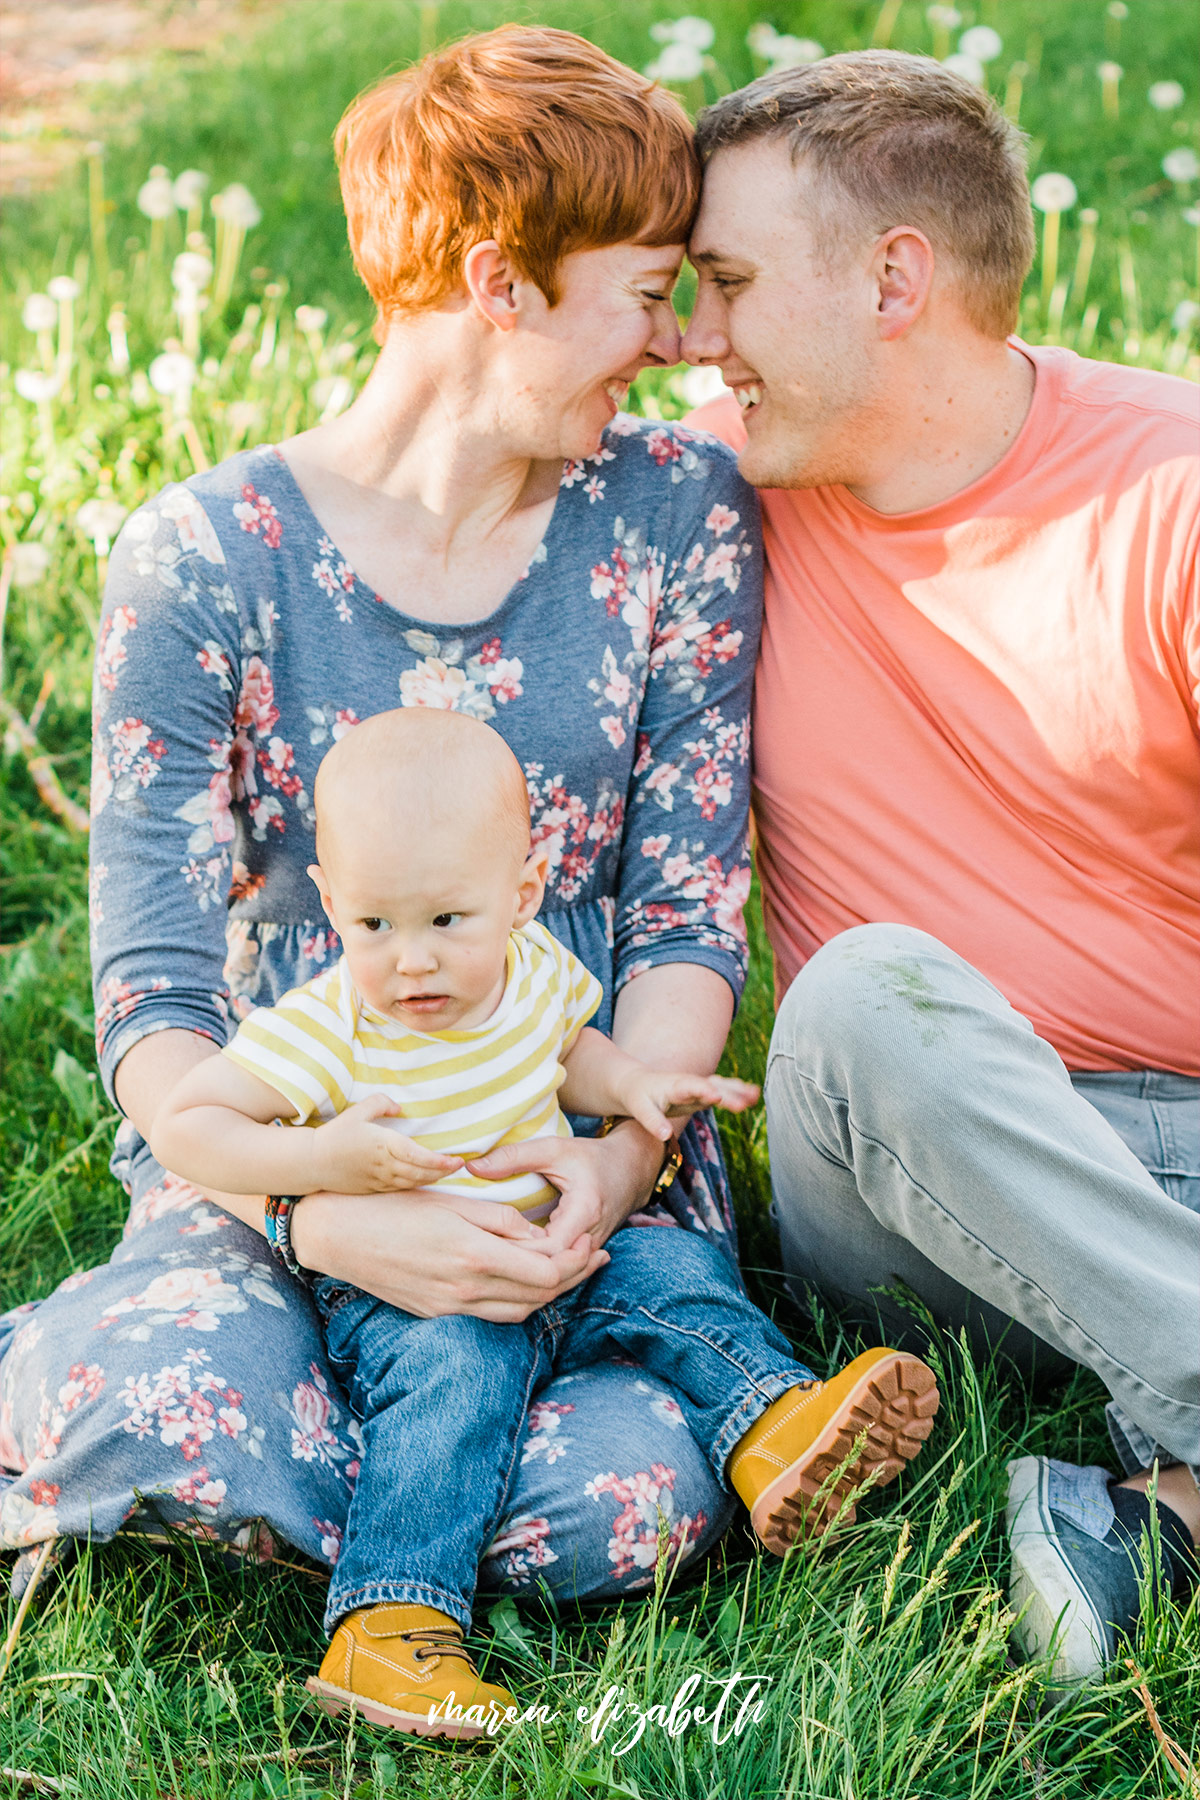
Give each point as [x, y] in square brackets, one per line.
[422, 443]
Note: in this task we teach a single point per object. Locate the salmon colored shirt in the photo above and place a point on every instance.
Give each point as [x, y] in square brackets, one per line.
[981, 718]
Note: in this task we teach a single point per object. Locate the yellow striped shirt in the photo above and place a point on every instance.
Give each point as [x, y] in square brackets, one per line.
[465, 1092]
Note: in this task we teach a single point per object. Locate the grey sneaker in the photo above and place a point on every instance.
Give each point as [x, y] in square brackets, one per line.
[1077, 1562]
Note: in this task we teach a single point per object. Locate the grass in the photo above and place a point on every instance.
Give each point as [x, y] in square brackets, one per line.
[884, 1661]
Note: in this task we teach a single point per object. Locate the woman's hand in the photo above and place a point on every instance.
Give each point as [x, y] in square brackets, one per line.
[432, 1254]
[601, 1180]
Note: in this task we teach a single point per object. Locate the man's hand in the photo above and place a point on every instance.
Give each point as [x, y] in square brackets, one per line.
[354, 1154]
[656, 1096]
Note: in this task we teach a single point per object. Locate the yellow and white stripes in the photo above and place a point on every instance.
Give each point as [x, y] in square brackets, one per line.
[465, 1092]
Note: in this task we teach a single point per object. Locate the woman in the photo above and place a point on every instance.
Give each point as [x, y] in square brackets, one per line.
[483, 529]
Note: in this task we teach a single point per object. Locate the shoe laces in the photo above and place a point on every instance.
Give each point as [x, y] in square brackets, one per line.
[436, 1640]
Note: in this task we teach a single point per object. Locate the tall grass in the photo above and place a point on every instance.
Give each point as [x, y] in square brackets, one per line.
[884, 1661]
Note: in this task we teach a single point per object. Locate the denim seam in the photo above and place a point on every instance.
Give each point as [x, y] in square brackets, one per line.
[1167, 1400]
[395, 1592]
[766, 1387]
[544, 1330]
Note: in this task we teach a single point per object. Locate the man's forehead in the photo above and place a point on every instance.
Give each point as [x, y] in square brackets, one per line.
[749, 191]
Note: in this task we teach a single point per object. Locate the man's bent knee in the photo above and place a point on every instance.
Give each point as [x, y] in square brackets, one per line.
[839, 995]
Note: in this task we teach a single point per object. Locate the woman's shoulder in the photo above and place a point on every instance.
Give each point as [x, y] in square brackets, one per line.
[211, 511]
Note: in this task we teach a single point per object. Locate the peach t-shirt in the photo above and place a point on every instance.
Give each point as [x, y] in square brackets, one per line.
[981, 718]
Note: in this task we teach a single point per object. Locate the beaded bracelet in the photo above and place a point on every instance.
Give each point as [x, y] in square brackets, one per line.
[277, 1222]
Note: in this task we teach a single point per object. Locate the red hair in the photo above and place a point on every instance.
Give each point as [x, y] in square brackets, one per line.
[528, 135]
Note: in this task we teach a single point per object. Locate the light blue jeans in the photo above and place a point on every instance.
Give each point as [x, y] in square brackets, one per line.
[444, 1401]
[921, 1131]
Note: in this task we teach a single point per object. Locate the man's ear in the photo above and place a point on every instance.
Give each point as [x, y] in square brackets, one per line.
[903, 268]
[491, 280]
[316, 874]
[531, 887]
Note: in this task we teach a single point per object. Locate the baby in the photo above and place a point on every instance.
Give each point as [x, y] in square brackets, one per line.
[455, 1023]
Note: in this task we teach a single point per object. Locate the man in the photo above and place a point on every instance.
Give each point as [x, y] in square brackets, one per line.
[977, 783]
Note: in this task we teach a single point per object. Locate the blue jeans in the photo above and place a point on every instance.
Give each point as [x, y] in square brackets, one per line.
[920, 1130]
[443, 1402]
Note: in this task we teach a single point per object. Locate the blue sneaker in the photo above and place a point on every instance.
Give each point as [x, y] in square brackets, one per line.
[1076, 1542]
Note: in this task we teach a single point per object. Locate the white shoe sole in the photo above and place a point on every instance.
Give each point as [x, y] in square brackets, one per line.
[1058, 1614]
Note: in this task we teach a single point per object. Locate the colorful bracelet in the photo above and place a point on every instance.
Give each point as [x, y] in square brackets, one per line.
[277, 1223]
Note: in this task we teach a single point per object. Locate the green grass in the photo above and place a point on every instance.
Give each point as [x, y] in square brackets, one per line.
[884, 1661]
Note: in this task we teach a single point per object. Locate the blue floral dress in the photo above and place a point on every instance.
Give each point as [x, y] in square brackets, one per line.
[185, 1381]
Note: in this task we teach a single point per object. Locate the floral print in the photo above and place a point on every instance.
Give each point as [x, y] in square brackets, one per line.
[184, 1383]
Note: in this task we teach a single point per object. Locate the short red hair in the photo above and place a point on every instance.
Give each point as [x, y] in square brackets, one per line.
[528, 135]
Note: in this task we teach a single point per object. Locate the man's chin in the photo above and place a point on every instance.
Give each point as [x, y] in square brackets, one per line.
[767, 464]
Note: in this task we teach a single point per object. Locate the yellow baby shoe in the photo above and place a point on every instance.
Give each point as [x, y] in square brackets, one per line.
[791, 1451]
[407, 1667]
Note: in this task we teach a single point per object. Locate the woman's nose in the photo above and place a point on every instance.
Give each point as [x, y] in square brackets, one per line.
[705, 340]
[663, 350]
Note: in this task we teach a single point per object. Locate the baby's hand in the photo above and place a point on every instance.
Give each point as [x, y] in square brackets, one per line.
[355, 1155]
[656, 1096]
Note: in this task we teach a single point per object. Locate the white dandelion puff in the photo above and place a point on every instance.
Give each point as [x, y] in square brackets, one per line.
[688, 30]
[156, 197]
[676, 62]
[969, 68]
[172, 372]
[982, 43]
[36, 385]
[39, 313]
[1053, 193]
[1181, 165]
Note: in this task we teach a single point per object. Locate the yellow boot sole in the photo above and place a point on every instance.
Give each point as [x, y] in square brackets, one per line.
[894, 1402]
[335, 1700]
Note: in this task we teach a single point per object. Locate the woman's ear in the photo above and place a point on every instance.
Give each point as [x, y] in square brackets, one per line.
[316, 874]
[531, 887]
[490, 279]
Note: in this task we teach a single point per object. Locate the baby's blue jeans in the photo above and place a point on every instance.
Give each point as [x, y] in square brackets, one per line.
[444, 1402]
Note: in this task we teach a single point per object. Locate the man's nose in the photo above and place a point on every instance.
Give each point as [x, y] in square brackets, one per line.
[705, 340]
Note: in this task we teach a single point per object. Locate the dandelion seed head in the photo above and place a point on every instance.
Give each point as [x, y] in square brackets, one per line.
[1109, 71]
[1089, 216]
[1191, 215]
[36, 385]
[1117, 9]
[156, 197]
[311, 318]
[699, 33]
[968, 67]
[1165, 96]
[63, 288]
[191, 270]
[237, 206]
[1185, 315]
[172, 373]
[1181, 165]
[1053, 193]
[39, 313]
[188, 189]
[946, 16]
[29, 562]
[760, 37]
[100, 520]
[795, 53]
[981, 42]
[677, 62]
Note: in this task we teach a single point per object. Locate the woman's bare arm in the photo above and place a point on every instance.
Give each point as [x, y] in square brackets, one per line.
[428, 1254]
